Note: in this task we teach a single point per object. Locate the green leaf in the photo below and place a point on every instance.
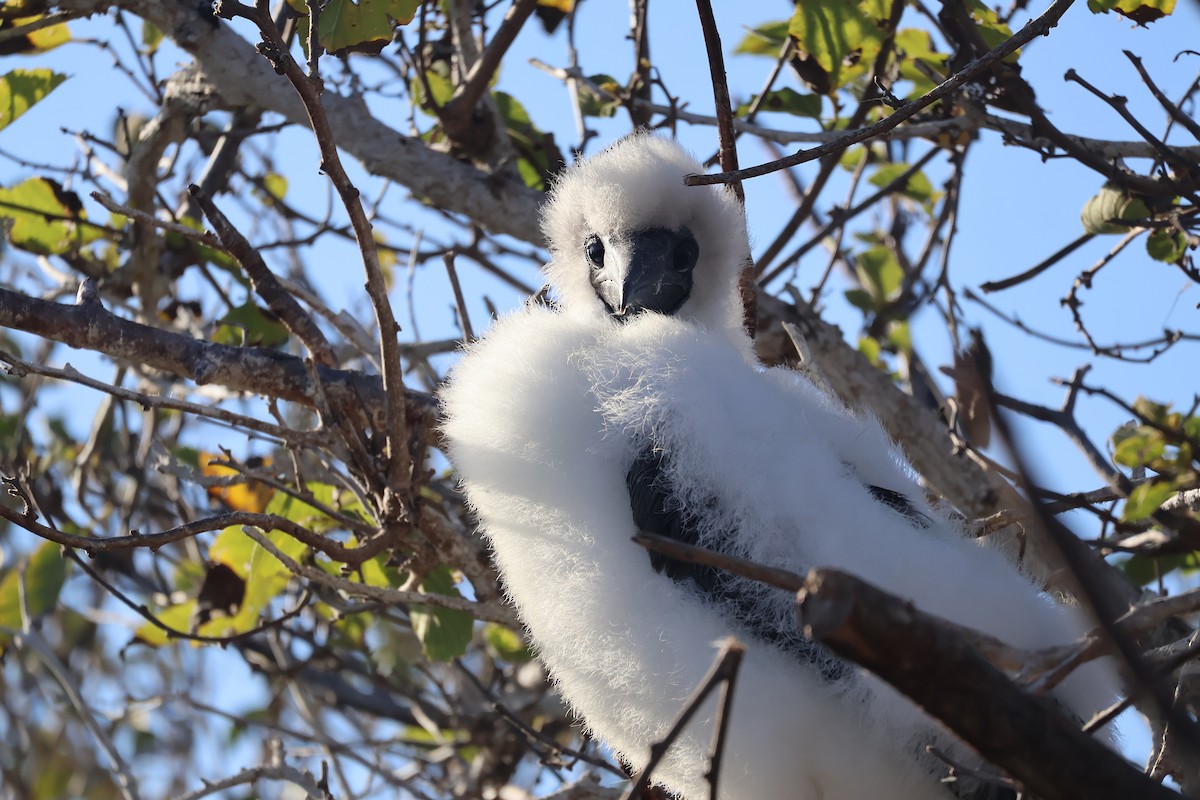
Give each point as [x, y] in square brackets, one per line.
[152, 37]
[1143, 569]
[38, 41]
[534, 163]
[506, 643]
[296, 510]
[765, 40]
[900, 335]
[177, 617]
[1145, 499]
[990, 28]
[266, 576]
[364, 26]
[444, 634]
[595, 104]
[1139, 448]
[1109, 204]
[842, 37]
[861, 299]
[787, 101]
[441, 88]
[250, 326]
[869, 347]
[917, 186]
[915, 45]
[20, 89]
[879, 272]
[1167, 245]
[276, 185]
[1140, 11]
[44, 570]
[46, 218]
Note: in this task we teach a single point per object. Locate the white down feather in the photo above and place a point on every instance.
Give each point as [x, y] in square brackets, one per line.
[544, 416]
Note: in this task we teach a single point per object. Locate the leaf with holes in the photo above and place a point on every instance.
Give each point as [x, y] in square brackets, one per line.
[1140, 11]
[46, 218]
[842, 37]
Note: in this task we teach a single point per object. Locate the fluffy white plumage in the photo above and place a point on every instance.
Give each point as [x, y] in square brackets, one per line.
[545, 416]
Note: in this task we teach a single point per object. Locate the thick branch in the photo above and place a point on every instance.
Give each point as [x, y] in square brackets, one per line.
[87, 325]
[932, 665]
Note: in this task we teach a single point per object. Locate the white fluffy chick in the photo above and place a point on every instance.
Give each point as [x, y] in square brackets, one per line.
[638, 404]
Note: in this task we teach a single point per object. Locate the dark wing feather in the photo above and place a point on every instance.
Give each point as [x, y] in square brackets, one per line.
[900, 503]
[656, 511]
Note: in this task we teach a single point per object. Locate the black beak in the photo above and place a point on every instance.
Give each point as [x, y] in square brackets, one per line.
[659, 276]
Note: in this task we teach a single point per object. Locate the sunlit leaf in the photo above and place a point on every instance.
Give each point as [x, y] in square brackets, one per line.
[266, 577]
[506, 643]
[869, 347]
[1139, 448]
[177, 617]
[276, 185]
[441, 88]
[38, 41]
[534, 164]
[900, 335]
[1145, 499]
[840, 36]
[594, 104]
[347, 26]
[915, 46]
[20, 89]
[879, 272]
[46, 218]
[765, 40]
[249, 495]
[152, 37]
[43, 574]
[1142, 12]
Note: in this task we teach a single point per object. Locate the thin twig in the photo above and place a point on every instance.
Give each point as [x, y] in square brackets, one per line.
[1036, 27]
[398, 464]
[459, 302]
[490, 612]
[723, 670]
[1174, 110]
[265, 284]
[1040, 267]
[716, 70]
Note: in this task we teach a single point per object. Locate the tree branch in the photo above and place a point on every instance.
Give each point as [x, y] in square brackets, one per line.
[936, 668]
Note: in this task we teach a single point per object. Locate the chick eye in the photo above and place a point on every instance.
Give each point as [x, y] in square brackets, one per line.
[594, 250]
[685, 255]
